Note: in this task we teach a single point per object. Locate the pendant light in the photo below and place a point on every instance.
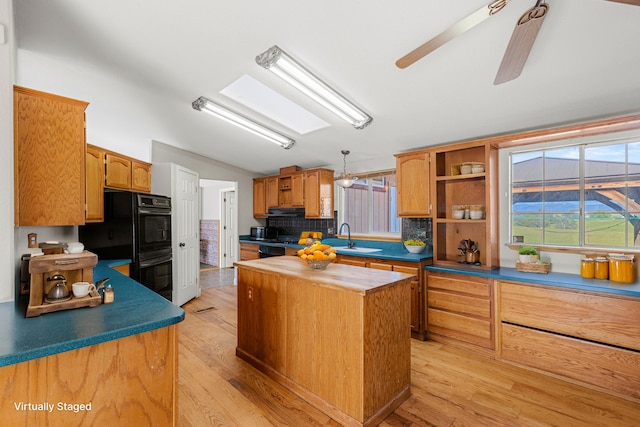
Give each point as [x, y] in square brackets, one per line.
[345, 180]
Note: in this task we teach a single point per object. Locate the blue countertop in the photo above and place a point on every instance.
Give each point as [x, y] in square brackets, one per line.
[561, 280]
[136, 309]
[389, 250]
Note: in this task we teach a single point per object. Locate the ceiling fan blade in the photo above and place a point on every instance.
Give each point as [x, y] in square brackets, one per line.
[455, 30]
[632, 2]
[522, 39]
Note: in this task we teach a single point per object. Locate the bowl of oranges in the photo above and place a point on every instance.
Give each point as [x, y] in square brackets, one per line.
[318, 255]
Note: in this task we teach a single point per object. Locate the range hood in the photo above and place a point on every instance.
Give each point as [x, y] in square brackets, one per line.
[287, 212]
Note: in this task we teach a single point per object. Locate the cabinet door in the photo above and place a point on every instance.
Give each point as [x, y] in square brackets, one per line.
[259, 203]
[140, 176]
[118, 172]
[318, 193]
[412, 175]
[272, 191]
[297, 189]
[416, 292]
[248, 251]
[95, 184]
[49, 159]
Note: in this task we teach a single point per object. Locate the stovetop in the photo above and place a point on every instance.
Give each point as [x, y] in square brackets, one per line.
[287, 240]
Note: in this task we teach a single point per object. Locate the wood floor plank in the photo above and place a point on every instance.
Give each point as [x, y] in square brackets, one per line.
[450, 387]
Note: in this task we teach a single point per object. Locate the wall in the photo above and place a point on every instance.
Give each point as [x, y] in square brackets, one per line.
[210, 197]
[7, 56]
[212, 169]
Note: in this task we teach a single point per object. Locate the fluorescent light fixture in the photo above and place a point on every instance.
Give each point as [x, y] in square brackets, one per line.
[285, 67]
[208, 106]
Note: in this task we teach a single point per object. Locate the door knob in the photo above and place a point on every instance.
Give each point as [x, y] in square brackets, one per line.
[182, 245]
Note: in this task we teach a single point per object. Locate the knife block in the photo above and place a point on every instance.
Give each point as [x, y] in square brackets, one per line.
[74, 267]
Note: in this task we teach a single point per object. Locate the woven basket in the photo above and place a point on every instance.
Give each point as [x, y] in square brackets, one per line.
[533, 267]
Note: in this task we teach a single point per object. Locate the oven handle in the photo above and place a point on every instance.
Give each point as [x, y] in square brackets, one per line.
[155, 261]
[154, 212]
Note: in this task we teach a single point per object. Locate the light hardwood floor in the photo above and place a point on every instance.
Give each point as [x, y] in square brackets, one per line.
[450, 387]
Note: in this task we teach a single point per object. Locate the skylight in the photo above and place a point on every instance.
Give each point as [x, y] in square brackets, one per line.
[266, 101]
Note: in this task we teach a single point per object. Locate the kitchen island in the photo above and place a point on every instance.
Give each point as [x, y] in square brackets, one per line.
[114, 364]
[339, 337]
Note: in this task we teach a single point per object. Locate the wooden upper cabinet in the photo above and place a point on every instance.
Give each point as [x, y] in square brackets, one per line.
[271, 189]
[140, 176]
[412, 175]
[318, 193]
[297, 189]
[95, 184]
[118, 171]
[259, 202]
[49, 159]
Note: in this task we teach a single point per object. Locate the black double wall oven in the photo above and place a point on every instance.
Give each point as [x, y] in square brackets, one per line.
[137, 226]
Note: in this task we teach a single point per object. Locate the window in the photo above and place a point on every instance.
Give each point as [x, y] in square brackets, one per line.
[584, 195]
[369, 205]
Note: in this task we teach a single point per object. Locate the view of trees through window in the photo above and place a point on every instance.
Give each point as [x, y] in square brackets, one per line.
[370, 205]
[587, 195]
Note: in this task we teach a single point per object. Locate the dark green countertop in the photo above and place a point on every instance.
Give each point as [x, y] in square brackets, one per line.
[561, 280]
[136, 309]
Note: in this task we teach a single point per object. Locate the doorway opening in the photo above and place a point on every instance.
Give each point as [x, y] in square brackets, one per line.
[218, 219]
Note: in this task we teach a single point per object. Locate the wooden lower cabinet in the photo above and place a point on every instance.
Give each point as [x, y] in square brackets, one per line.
[248, 251]
[124, 269]
[589, 338]
[460, 311]
[130, 381]
[417, 299]
[343, 347]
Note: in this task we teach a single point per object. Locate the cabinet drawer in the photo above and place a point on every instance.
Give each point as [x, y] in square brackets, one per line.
[381, 266]
[463, 328]
[600, 318]
[603, 366]
[408, 270]
[459, 283]
[462, 304]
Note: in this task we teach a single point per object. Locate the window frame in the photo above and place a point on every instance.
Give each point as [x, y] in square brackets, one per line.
[370, 176]
[599, 140]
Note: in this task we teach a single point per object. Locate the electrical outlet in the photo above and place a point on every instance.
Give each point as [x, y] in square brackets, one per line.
[250, 293]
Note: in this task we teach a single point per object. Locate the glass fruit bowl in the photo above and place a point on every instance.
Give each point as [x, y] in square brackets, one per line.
[317, 264]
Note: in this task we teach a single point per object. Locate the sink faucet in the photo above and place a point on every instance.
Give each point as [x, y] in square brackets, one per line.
[350, 244]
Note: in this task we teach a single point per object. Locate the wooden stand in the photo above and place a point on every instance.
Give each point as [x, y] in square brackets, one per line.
[74, 267]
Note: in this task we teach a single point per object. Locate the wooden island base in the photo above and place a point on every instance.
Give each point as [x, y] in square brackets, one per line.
[340, 338]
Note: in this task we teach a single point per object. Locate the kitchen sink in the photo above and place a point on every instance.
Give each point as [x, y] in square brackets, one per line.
[356, 249]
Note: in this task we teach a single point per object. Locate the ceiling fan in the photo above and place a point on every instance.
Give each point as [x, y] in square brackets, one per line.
[522, 39]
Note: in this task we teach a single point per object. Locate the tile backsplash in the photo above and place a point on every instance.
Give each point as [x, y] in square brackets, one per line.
[291, 226]
[417, 228]
[412, 228]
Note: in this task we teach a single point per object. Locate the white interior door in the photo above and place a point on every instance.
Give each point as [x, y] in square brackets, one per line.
[230, 233]
[187, 246]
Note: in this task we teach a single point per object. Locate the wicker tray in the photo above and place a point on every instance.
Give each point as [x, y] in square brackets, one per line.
[533, 267]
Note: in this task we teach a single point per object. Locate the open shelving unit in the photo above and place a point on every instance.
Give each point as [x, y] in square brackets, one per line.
[450, 187]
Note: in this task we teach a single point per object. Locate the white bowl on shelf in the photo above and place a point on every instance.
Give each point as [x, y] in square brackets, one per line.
[476, 214]
[457, 213]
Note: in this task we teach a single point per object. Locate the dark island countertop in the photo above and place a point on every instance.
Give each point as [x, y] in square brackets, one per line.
[561, 280]
[136, 309]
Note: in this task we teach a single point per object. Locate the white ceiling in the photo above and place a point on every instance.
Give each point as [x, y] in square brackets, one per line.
[140, 64]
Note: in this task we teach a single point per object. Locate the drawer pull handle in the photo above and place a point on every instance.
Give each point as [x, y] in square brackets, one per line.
[66, 262]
